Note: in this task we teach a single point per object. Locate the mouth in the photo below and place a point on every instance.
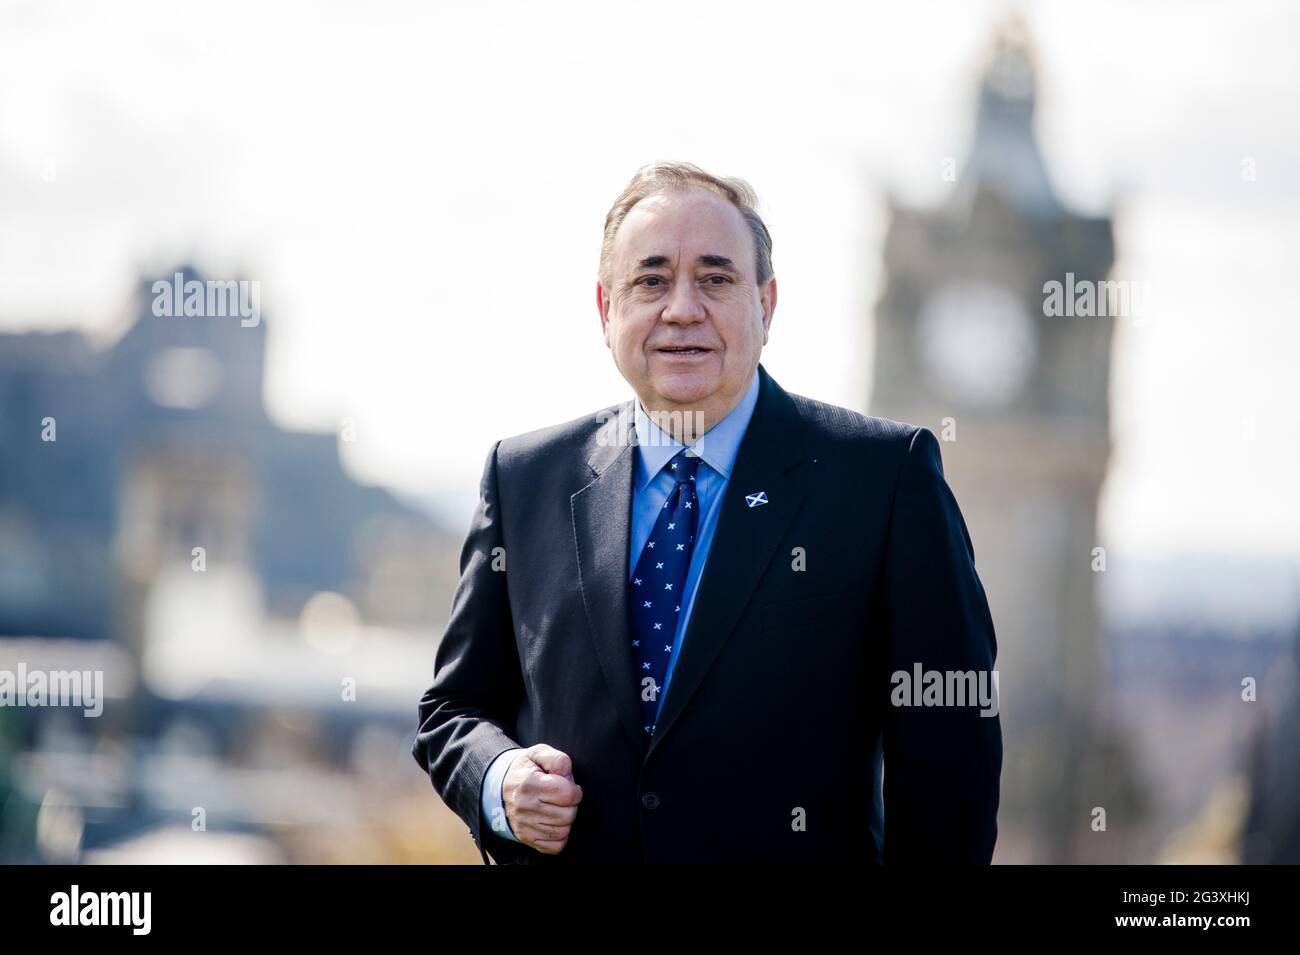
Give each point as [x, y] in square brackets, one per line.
[683, 351]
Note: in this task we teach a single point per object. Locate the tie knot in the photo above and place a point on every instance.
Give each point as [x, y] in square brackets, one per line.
[683, 467]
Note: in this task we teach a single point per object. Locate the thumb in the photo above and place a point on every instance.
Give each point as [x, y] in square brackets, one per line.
[551, 760]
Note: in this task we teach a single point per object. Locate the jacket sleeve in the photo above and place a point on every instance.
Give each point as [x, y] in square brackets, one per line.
[942, 763]
[467, 716]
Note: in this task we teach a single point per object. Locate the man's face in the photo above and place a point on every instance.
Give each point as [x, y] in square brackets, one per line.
[683, 317]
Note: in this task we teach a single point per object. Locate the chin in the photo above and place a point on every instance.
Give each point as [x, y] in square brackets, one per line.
[685, 388]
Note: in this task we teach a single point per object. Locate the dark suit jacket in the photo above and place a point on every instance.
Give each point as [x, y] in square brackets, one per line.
[770, 740]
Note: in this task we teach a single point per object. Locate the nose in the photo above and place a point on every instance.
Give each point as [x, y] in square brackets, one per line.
[685, 304]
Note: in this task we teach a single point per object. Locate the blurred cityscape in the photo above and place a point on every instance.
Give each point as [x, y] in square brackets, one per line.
[265, 624]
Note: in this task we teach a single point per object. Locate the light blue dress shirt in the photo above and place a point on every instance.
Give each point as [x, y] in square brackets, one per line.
[651, 486]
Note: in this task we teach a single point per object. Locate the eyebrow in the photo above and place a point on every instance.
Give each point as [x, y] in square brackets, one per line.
[709, 261]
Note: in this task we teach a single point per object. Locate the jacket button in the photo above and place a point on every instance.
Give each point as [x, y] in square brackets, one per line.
[650, 800]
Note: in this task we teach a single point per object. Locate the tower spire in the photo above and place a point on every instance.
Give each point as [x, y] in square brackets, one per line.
[1004, 156]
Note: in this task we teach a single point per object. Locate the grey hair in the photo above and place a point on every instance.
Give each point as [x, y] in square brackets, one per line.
[662, 177]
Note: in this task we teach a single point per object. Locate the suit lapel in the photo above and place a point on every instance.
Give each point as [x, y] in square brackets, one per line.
[602, 529]
[743, 542]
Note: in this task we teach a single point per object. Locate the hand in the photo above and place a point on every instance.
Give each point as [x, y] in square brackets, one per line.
[541, 798]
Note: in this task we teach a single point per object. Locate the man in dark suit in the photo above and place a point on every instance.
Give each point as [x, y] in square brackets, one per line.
[720, 622]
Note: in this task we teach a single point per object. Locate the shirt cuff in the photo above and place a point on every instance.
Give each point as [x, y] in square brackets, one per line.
[493, 800]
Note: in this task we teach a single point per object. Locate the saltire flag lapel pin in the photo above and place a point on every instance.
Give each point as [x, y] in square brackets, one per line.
[757, 498]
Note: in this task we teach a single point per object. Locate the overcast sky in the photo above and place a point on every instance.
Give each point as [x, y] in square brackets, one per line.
[419, 188]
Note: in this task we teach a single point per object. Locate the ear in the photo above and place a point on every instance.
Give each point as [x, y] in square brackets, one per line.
[767, 299]
[602, 306]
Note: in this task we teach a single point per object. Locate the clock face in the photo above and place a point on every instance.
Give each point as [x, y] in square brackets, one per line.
[976, 344]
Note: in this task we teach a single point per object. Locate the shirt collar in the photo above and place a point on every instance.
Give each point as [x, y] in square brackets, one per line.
[717, 447]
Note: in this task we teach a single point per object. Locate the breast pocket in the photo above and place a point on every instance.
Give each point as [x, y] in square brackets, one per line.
[837, 613]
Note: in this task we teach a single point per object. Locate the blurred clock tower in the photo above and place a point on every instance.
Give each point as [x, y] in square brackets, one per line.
[1020, 403]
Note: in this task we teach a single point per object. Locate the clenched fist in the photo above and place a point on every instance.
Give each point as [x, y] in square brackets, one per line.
[541, 799]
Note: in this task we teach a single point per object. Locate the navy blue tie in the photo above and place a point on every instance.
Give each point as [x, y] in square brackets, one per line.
[655, 591]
